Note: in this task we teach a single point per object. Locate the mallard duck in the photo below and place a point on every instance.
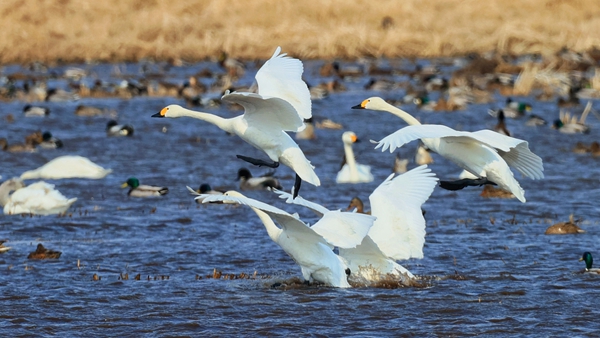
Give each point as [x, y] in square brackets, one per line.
[30, 111]
[587, 258]
[357, 203]
[115, 129]
[206, 189]
[39, 198]
[568, 123]
[43, 253]
[89, 111]
[595, 149]
[60, 95]
[266, 181]
[309, 131]
[2, 247]
[400, 164]
[491, 192]
[563, 228]
[514, 109]
[500, 127]
[535, 120]
[352, 172]
[49, 141]
[16, 148]
[138, 190]
[68, 166]
[423, 155]
[580, 148]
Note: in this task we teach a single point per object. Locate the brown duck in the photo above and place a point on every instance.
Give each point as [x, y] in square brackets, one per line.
[563, 228]
[43, 253]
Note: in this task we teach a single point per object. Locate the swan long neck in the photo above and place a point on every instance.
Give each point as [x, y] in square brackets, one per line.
[218, 121]
[350, 160]
[401, 114]
[272, 229]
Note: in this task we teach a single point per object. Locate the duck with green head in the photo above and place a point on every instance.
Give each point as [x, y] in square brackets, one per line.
[137, 190]
[587, 258]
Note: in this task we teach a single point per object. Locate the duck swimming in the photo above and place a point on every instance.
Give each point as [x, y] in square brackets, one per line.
[43, 253]
[264, 182]
[49, 141]
[115, 129]
[30, 111]
[137, 190]
[587, 258]
[206, 189]
[564, 228]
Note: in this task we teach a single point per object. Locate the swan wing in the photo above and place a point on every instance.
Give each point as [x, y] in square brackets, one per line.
[414, 132]
[514, 151]
[39, 198]
[317, 208]
[399, 230]
[343, 229]
[290, 223]
[268, 114]
[281, 76]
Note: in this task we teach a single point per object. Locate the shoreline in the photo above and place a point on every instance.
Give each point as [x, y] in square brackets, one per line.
[75, 31]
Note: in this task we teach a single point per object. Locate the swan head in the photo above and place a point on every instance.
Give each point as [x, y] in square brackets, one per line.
[349, 137]
[169, 111]
[373, 103]
[131, 182]
[13, 184]
[587, 258]
[232, 193]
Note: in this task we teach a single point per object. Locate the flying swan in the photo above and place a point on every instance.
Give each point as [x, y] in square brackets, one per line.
[484, 153]
[309, 247]
[282, 104]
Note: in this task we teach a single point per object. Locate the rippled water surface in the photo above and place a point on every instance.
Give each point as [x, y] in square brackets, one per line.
[488, 268]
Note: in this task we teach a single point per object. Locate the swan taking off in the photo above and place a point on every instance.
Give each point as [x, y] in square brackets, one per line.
[351, 171]
[38, 198]
[282, 104]
[398, 232]
[484, 153]
[309, 247]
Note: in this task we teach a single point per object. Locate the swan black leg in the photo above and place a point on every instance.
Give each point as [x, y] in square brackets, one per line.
[466, 182]
[296, 186]
[258, 162]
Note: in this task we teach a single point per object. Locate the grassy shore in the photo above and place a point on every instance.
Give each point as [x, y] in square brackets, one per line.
[112, 30]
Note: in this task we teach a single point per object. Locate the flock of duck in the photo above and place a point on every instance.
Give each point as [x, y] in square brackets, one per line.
[343, 247]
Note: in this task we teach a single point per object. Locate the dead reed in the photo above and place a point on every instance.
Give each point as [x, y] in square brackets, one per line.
[111, 30]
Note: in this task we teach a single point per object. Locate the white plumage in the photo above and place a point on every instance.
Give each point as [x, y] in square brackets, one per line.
[352, 172]
[67, 167]
[39, 198]
[483, 153]
[309, 247]
[282, 103]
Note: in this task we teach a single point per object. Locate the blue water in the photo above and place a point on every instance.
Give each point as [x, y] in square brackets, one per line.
[488, 270]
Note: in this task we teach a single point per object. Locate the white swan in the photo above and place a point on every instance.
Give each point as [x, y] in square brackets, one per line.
[67, 166]
[398, 232]
[484, 153]
[309, 247]
[38, 198]
[351, 171]
[282, 104]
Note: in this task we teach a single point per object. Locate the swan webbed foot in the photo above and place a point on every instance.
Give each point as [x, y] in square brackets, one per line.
[465, 182]
[296, 189]
[258, 162]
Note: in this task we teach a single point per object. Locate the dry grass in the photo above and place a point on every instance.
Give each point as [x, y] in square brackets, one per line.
[111, 30]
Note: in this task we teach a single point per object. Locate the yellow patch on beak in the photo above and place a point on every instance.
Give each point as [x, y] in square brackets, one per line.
[163, 112]
[364, 103]
[353, 138]
[124, 185]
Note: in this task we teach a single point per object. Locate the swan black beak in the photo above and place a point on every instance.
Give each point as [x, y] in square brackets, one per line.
[358, 106]
[157, 115]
